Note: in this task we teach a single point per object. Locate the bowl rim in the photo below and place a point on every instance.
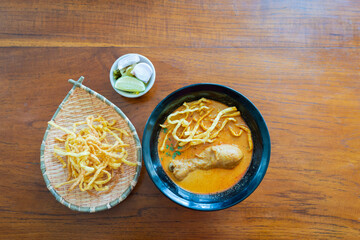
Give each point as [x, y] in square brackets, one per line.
[255, 182]
[149, 85]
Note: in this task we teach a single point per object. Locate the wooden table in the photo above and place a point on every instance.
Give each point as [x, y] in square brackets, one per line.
[297, 61]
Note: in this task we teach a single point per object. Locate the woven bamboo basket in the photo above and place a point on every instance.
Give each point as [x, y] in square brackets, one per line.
[79, 103]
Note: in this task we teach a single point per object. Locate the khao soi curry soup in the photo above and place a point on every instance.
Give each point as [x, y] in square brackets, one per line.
[205, 146]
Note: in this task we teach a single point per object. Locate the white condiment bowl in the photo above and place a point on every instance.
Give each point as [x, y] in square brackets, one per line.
[148, 85]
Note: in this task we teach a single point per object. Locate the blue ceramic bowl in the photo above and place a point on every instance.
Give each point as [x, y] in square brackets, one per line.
[260, 159]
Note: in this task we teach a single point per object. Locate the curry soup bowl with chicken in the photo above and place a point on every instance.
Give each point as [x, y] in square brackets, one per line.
[206, 147]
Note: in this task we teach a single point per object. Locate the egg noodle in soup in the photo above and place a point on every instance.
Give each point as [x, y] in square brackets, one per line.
[205, 146]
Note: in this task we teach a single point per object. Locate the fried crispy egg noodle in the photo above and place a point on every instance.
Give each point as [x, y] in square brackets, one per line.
[194, 131]
[93, 154]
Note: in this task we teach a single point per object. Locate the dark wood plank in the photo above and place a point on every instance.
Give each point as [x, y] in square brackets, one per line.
[308, 97]
[296, 23]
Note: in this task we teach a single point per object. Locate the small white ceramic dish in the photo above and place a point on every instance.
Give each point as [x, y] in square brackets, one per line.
[148, 86]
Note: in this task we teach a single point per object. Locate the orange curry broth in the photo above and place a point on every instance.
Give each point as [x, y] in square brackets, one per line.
[213, 180]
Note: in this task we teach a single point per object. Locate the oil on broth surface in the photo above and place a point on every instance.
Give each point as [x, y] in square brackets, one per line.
[212, 180]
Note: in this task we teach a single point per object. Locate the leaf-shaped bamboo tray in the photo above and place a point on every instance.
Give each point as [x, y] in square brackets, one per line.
[79, 103]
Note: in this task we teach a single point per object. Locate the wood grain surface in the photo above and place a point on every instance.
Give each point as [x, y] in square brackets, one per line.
[297, 61]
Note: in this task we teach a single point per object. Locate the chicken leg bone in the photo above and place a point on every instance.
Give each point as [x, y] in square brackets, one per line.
[221, 156]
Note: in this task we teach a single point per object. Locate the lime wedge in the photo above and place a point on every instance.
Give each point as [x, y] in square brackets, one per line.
[130, 84]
